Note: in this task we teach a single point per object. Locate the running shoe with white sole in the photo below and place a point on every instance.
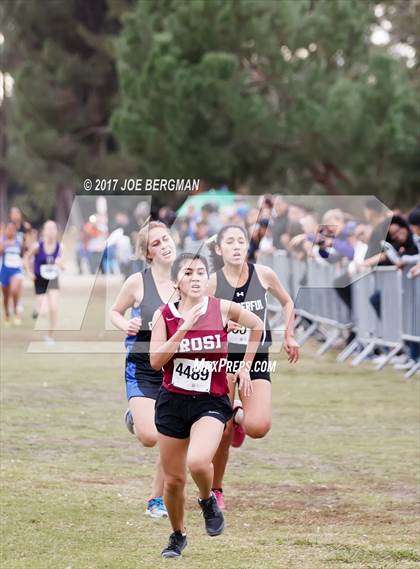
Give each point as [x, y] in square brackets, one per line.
[213, 516]
[177, 543]
[156, 508]
[129, 422]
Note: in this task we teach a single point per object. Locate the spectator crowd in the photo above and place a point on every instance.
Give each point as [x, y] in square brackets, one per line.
[376, 236]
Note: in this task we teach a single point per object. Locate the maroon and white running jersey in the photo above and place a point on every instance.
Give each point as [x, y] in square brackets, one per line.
[199, 365]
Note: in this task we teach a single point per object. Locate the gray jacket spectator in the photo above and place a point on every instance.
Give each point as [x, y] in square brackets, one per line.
[280, 221]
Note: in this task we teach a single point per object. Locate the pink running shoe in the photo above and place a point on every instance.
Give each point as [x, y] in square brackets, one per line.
[238, 431]
[220, 498]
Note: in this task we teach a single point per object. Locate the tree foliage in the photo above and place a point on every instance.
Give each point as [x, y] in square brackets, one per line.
[61, 56]
[287, 95]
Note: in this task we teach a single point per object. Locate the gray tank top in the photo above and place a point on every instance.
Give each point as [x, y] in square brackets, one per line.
[138, 347]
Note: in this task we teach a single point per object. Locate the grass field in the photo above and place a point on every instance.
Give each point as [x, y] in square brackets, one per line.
[334, 485]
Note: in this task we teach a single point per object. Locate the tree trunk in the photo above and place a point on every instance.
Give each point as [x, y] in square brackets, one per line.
[3, 196]
[324, 175]
[63, 203]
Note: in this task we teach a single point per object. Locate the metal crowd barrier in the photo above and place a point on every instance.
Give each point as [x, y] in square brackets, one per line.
[320, 303]
[385, 306]
[365, 319]
[277, 261]
[411, 313]
[399, 318]
[311, 284]
[381, 327]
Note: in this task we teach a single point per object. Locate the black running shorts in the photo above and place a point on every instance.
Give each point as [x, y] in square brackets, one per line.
[42, 285]
[175, 413]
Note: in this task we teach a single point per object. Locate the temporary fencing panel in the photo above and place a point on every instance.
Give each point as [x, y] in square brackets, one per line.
[397, 298]
[388, 284]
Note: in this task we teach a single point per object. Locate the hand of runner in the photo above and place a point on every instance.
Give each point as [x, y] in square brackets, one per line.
[133, 326]
[242, 378]
[292, 350]
[191, 317]
[232, 326]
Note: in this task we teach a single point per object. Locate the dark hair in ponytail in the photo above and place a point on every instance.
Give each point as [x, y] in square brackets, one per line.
[180, 260]
[216, 260]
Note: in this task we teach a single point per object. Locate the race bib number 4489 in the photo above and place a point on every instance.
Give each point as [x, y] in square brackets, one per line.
[192, 375]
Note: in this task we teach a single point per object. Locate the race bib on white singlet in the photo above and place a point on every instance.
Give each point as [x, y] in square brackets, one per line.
[192, 375]
[240, 336]
[12, 260]
[49, 272]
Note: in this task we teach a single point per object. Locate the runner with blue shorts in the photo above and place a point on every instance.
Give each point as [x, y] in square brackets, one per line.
[143, 293]
[11, 273]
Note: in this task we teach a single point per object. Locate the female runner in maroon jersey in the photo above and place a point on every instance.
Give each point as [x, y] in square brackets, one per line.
[189, 341]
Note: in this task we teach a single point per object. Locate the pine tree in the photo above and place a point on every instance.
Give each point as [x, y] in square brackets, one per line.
[286, 95]
[61, 56]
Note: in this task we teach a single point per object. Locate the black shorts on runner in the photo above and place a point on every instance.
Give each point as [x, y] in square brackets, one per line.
[260, 368]
[175, 413]
[42, 285]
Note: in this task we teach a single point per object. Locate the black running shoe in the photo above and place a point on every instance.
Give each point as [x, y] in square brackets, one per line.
[213, 515]
[176, 544]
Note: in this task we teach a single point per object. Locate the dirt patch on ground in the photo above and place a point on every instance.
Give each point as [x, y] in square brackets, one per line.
[317, 504]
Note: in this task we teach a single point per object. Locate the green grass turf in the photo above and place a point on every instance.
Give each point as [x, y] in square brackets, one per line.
[334, 484]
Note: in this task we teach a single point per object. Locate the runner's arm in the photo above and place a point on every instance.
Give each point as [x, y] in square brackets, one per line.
[162, 349]
[276, 288]
[280, 293]
[125, 299]
[59, 259]
[27, 260]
